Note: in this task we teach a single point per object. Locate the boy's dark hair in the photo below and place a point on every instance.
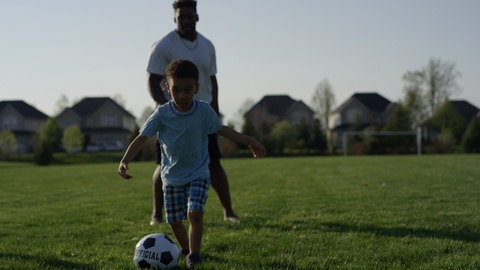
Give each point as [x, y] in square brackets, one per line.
[185, 3]
[182, 69]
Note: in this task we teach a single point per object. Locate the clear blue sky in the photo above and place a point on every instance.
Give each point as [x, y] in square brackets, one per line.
[100, 48]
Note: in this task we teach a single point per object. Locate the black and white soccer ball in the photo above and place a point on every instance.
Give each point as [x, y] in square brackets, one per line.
[156, 251]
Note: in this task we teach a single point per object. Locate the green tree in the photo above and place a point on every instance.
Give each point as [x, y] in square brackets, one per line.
[8, 143]
[73, 138]
[43, 153]
[303, 136]
[471, 137]
[50, 139]
[317, 139]
[436, 81]
[448, 118]
[284, 135]
[445, 140]
[400, 120]
[414, 106]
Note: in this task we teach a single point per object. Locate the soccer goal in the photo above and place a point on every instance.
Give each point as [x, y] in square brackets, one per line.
[347, 134]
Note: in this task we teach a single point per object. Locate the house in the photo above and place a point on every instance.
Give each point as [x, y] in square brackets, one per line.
[101, 119]
[272, 109]
[466, 110]
[361, 110]
[24, 120]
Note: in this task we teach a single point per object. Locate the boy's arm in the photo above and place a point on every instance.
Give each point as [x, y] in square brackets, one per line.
[257, 148]
[132, 150]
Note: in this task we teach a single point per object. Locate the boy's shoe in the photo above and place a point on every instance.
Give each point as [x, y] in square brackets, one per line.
[193, 259]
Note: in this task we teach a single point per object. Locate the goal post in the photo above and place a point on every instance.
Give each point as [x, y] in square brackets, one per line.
[418, 135]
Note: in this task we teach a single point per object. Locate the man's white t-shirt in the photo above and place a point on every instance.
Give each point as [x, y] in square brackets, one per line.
[201, 52]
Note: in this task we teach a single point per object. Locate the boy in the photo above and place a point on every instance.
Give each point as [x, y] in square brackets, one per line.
[182, 126]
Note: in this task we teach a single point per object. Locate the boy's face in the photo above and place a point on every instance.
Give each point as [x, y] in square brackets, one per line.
[182, 92]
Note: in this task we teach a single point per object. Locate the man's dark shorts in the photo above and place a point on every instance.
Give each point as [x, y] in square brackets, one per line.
[213, 149]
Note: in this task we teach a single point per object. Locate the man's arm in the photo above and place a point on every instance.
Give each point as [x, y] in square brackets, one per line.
[214, 102]
[257, 148]
[155, 89]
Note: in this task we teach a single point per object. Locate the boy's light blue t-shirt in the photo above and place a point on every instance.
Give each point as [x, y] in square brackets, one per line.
[183, 138]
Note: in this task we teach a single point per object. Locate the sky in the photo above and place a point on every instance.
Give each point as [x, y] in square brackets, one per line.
[92, 48]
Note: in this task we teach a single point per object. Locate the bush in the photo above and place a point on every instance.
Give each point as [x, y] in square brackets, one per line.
[471, 138]
[8, 144]
[73, 139]
[43, 153]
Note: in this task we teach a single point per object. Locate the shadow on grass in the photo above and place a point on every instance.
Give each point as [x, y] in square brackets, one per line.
[48, 262]
[259, 223]
[465, 235]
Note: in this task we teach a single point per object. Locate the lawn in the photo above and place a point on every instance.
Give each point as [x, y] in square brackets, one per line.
[370, 212]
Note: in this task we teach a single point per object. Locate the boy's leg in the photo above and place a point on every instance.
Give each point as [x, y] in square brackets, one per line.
[196, 230]
[180, 233]
[175, 200]
[197, 197]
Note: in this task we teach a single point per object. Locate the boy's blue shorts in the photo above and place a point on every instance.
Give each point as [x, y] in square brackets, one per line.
[179, 200]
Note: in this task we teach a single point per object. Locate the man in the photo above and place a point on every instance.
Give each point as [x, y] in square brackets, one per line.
[186, 43]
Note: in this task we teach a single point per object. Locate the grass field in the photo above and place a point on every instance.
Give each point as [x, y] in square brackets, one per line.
[381, 212]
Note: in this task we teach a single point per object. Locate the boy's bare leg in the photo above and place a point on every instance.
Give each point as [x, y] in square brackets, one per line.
[196, 230]
[180, 233]
[157, 216]
[219, 182]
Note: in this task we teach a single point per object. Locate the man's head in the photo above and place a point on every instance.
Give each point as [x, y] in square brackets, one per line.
[186, 18]
[182, 83]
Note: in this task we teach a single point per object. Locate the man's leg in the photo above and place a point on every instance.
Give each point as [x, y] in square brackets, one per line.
[221, 186]
[157, 216]
[219, 179]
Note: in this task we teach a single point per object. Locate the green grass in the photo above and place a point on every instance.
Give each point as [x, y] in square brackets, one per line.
[385, 212]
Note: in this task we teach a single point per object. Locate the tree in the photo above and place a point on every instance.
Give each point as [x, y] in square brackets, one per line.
[239, 121]
[8, 143]
[119, 99]
[52, 133]
[73, 138]
[284, 136]
[400, 119]
[323, 100]
[414, 105]
[445, 140]
[448, 118]
[145, 114]
[437, 82]
[471, 138]
[50, 138]
[318, 141]
[62, 104]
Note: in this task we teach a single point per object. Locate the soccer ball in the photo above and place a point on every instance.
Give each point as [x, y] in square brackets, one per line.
[156, 251]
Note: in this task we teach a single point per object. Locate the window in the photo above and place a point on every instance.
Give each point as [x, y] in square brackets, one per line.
[353, 115]
[10, 122]
[108, 120]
